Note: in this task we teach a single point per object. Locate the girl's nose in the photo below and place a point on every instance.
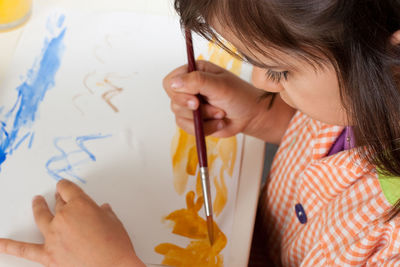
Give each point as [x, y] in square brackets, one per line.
[261, 81]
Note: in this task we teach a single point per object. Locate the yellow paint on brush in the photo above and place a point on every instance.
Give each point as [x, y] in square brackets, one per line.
[199, 252]
[13, 10]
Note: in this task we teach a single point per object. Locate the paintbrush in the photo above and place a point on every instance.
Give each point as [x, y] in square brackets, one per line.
[201, 144]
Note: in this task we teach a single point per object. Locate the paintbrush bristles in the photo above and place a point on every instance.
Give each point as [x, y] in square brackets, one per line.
[210, 229]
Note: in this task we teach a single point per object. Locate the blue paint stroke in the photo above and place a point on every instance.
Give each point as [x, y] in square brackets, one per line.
[63, 163]
[20, 141]
[31, 140]
[39, 79]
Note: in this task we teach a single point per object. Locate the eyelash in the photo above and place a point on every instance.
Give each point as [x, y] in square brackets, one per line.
[276, 76]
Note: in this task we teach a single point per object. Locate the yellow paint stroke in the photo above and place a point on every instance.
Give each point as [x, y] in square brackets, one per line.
[221, 161]
[199, 252]
[227, 150]
[221, 196]
[182, 143]
[191, 165]
[223, 59]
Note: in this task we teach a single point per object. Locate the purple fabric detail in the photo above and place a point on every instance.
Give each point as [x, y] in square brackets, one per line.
[342, 143]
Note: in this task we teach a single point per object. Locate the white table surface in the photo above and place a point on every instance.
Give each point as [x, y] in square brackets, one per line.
[253, 153]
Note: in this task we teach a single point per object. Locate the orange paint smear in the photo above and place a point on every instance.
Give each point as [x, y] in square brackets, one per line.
[199, 252]
[227, 150]
[221, 196]
[182, 143]
[191, 165]
[221, 155]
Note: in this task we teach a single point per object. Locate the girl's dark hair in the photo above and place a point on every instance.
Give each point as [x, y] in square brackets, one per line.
[353, 35]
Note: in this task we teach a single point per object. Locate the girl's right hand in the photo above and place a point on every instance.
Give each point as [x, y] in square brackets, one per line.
[232, 105]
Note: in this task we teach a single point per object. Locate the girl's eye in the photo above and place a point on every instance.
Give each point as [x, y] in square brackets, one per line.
[276, 76]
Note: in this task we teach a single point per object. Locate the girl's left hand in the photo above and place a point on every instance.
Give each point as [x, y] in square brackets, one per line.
[80, 233]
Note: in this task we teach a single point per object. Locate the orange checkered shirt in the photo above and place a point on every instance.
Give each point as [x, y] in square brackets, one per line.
[341, 197]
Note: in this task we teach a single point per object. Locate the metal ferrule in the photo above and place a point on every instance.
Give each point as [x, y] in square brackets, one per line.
[205, 184]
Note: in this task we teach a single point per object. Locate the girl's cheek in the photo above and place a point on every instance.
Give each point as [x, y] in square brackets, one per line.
[258, 78]
[286, 98]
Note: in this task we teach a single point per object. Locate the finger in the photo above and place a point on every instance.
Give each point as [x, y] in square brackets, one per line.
[107, 207]
[201, 65]
[68, 190]
[210, 127]
[209, 85]
[32, 252]
[176, 72]
[197, 82]
[208, 112]
[60, 203]
[41, 213]
[186, 100]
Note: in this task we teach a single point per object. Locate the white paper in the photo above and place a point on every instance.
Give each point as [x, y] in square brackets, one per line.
[105, 123]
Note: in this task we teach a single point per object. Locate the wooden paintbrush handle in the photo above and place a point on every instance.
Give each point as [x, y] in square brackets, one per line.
[198, 120]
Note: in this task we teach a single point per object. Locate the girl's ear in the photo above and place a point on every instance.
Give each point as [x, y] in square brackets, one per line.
[395, 39]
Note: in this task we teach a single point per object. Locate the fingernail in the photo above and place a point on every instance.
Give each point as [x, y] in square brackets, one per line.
[219, 115]
[177, 83]
[220, 125]
[36, 197]
[191, 104]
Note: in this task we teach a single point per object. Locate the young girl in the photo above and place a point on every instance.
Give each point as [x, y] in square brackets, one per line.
[331, 70]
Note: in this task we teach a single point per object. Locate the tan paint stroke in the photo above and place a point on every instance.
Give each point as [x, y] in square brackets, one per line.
[114, 91]
[95, 84]
[90, 91]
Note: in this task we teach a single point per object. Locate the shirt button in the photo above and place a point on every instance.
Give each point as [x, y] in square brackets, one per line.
[300, 213]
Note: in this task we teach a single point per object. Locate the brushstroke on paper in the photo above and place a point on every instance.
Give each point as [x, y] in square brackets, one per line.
[68, 160]
[187, 222]
[101, 85]
[106, 86]
[18, 121]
